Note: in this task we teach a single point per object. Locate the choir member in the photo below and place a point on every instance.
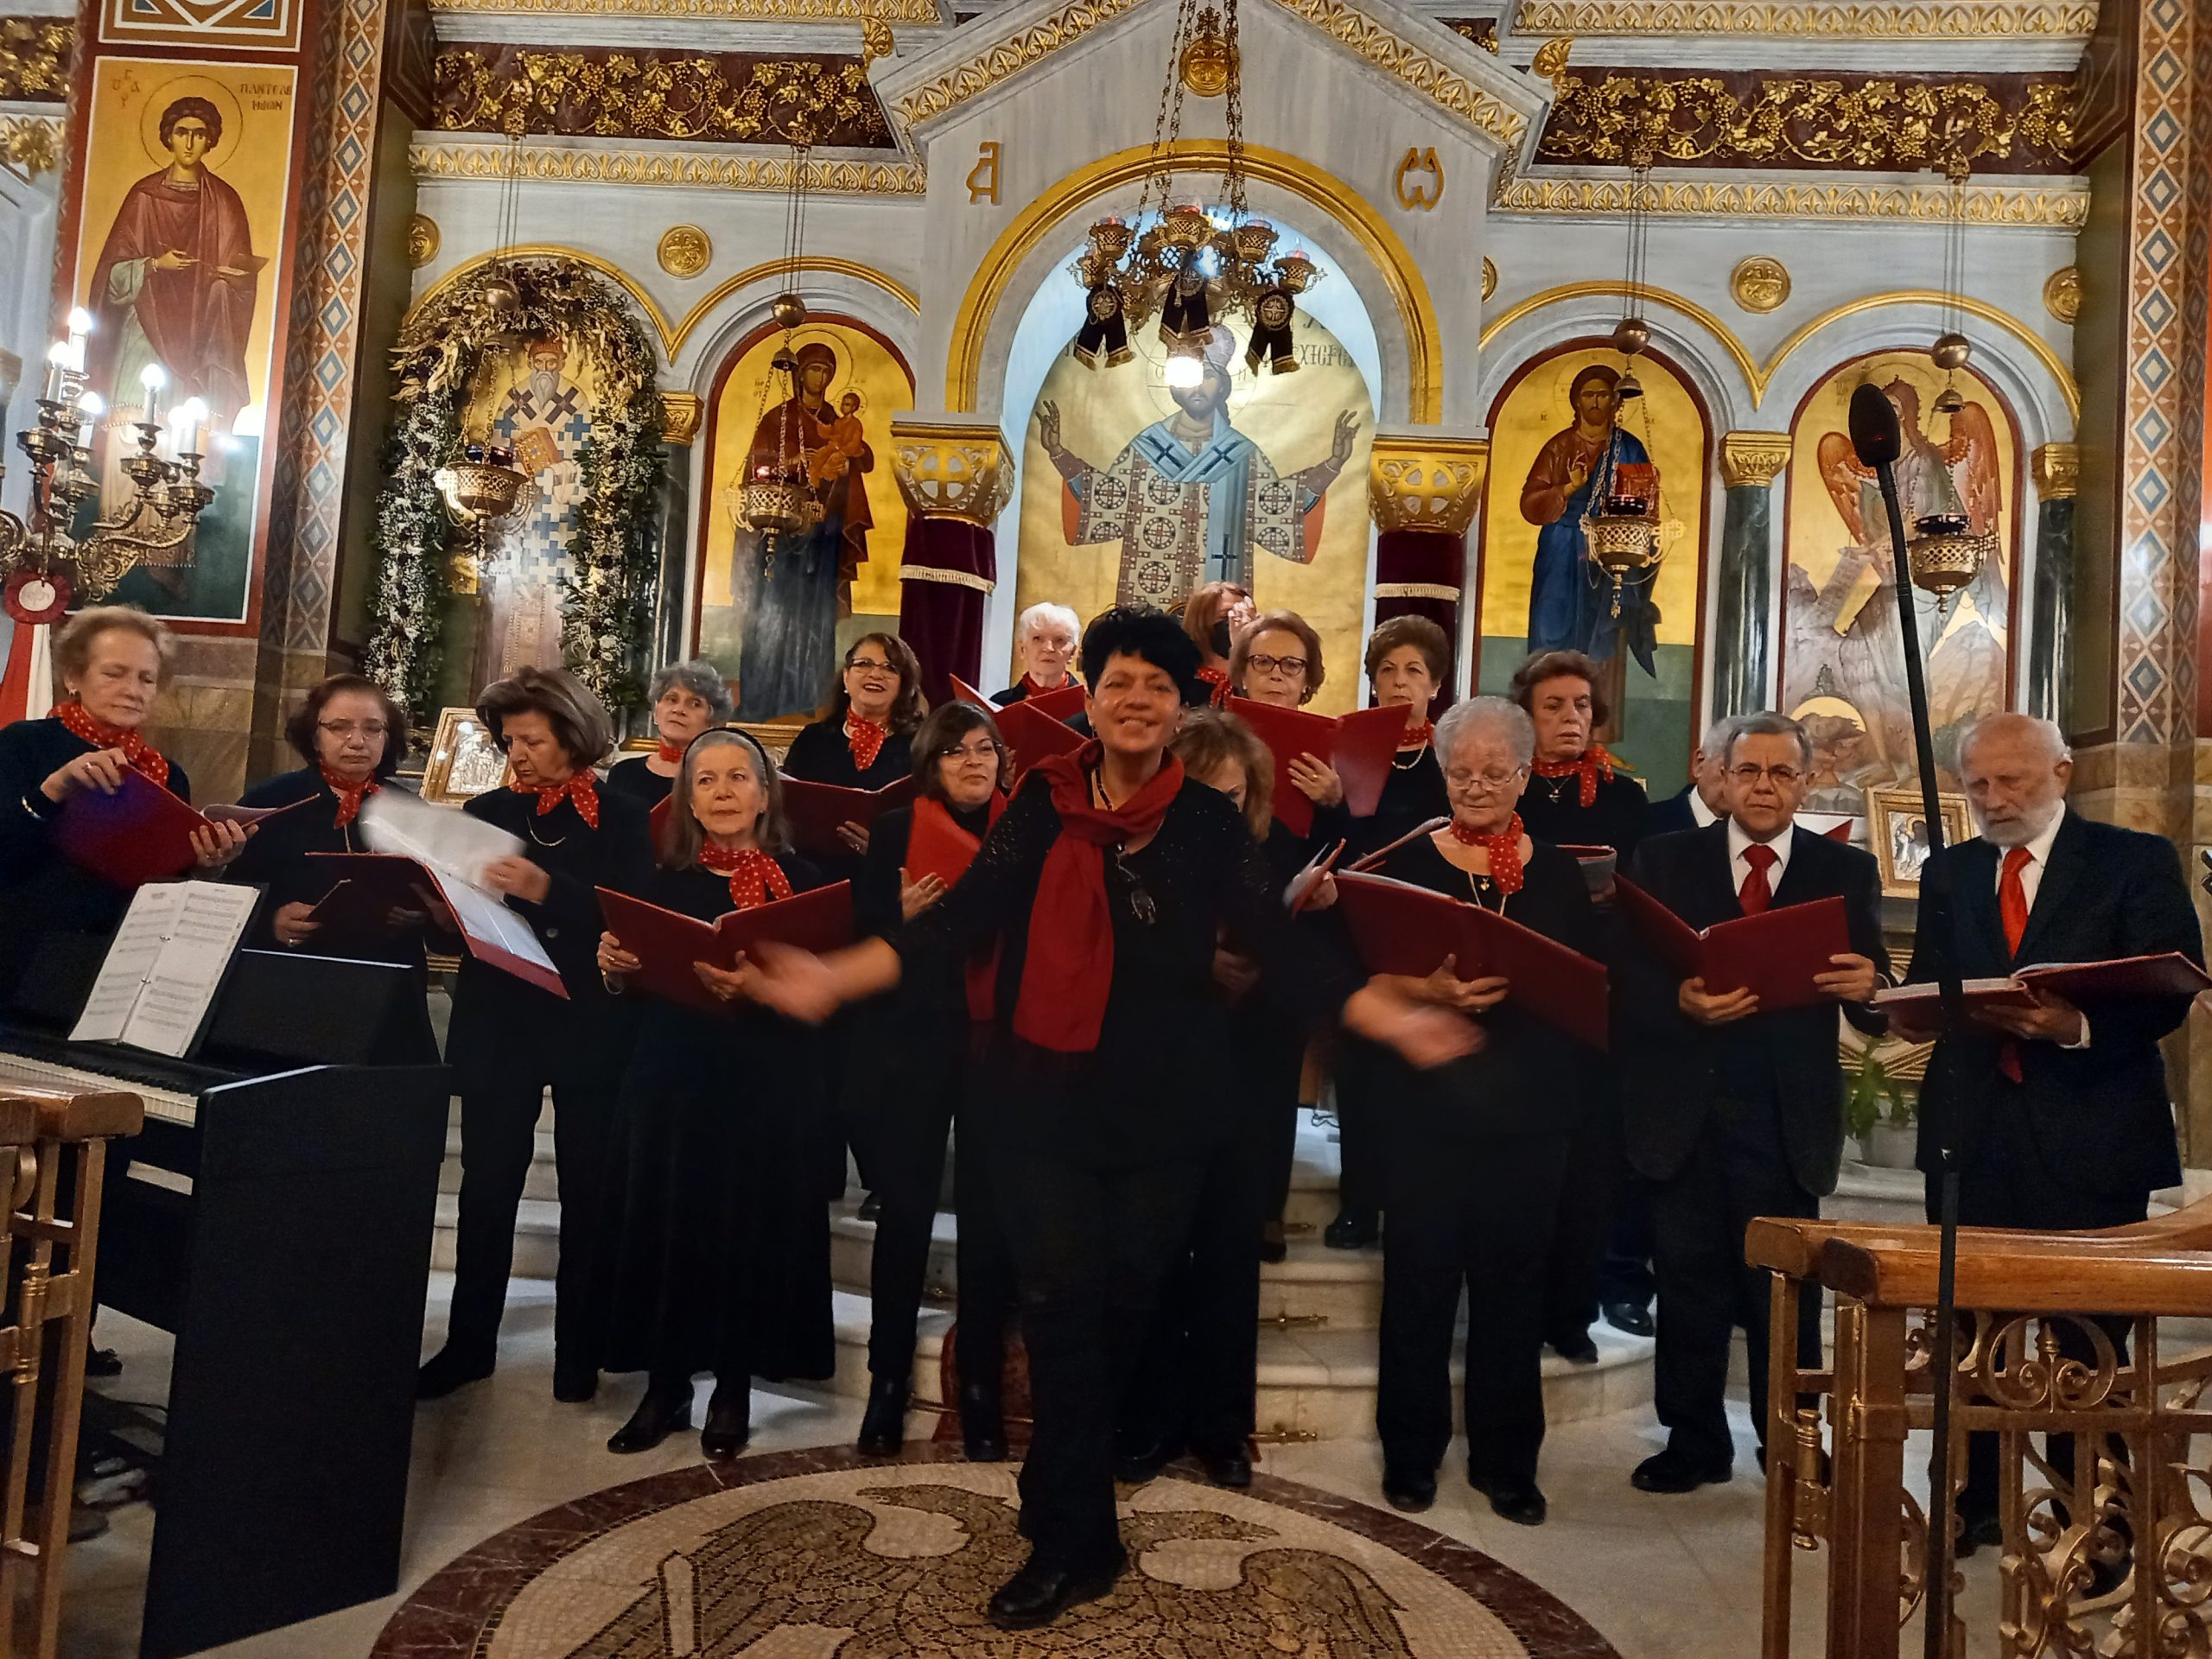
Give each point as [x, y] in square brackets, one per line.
[353, 737]
[1045, 637]
[1477, 1151]
[510, 1041]
[687, 698]
[1105, 885]
[866, 740]
[1212, 618]
[111, 662]
[923, 1036]
[1577, 797]
[719, 1258]
[2060, 1114]
[1705, 798]
[1736, 1112]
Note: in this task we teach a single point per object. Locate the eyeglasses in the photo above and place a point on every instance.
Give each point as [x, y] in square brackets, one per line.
[342, 729]
[985, 750]
[1260, 663]
[1482, 783]
[870, 662]
[1782, 776]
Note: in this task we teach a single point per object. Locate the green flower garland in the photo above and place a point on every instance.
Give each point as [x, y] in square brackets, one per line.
[612, 563]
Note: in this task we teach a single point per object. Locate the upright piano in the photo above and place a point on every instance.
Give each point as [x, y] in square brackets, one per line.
[277, 1221]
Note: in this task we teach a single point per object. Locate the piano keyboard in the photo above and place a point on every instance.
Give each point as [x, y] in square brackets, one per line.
[160, 1103]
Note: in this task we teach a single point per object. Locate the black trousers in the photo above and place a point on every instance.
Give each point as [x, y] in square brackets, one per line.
[1738, 1170]
[1584, 1220]
[1624, 1268]
[909, 1166]
[2004, 1182]
[499, 1124]
[1476, 1213]
[1360, 1152]
[1092, 1237]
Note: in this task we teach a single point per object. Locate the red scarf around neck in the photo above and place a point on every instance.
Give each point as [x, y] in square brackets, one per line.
[754, 878]
[580, 786]
[866, 738]
[982, 973]
[1504, 852]
[141, 755]
[1218, 679]
[1589, 763]
[670, 754]
[350, 796]
[1070, 964]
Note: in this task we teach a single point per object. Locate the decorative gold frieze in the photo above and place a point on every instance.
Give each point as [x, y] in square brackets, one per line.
[1759, 283]
[1426, 483]
[30, 143]
[689, 169]
[1007, 56]
[2062, 294]
[1550, 61]
[34, 57]
[2061, 207]
[684, 250]
[751, 11]
[875, 40]
[2056, 469]
[1899, 20]
[423, 240]
[1209, 60]
[1753, 458]
[947, 470]
[680, 413]
[1490, 277]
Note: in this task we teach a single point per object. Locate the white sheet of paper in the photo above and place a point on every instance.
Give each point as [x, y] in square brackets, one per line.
[162, 973]
[450, 843]
[145, 929]
[485, 916]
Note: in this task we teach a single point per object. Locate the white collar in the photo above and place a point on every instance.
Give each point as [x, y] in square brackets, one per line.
[2039, 849]
[1739, 839]
[1703, 816]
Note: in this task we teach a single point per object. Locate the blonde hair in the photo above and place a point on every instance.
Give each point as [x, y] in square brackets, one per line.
[1211, 737]
[72, 645]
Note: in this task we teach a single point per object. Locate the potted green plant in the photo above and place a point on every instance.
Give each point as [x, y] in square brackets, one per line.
[1877, 1113]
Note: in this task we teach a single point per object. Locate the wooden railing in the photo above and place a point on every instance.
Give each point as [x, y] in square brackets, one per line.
[52, 1158]
[2059, 1334]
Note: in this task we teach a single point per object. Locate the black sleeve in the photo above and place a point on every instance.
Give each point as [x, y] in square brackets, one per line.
[876, 888]
[2156, 916]
[805, 758]
[1305, 972]
[1631, 808]
[998, 888]
[26, 816]
[1647, 1009]
[1863, 904]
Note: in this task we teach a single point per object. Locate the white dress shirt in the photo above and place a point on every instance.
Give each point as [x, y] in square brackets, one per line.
[1700, 812]
[2031, 884]
[1739, 840]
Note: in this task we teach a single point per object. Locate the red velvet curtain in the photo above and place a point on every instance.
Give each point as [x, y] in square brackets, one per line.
[1430, 558]
[941, 619]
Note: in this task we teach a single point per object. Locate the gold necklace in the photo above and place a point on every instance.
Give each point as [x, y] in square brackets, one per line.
[1407, 766]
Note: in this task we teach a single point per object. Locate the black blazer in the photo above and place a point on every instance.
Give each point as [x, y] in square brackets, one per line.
[1671, 817]
[2099, 1116]
[499, 1020]
[820, 754]
[1674, 1065]
[276, 857]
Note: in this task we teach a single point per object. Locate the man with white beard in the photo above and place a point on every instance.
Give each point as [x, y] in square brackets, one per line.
[2062, 1113]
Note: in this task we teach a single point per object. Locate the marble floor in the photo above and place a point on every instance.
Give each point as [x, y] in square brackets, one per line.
[1674, 1578]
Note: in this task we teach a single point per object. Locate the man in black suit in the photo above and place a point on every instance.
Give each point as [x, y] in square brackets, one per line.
[1705, 798]
[2061, 1114]
[1733, 1112]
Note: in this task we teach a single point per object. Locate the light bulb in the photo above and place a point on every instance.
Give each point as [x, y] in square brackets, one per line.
[153, 377]
[81, 320]
[1185, 371]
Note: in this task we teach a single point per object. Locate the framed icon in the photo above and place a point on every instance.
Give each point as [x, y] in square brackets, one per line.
[1897, 830]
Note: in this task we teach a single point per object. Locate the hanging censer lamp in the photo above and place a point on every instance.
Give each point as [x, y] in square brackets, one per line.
[1944, 554]
[1620, 520]
[776, 497]
[1185, 266]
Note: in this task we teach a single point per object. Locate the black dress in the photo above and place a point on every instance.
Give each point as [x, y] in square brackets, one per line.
[822, 753]
[1019, 691]
[42, 892]
[1477, 1157]
[634, 778]
[1552, 810]
[1412, 795]
[719, 1258]
[277, 856]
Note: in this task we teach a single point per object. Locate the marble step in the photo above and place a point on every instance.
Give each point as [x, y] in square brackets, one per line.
[539, 1183]
[1314, 1384]
[537, 1236]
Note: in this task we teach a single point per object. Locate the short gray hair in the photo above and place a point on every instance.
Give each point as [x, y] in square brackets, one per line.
[1047, 611]
[1768, 723]
[1718, 736]
[2054, 741]
[1510, 719]
[702, 679]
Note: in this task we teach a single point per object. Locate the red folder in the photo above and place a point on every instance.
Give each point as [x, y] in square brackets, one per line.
[1775, 954]
[667, 942]
[657, 820]
[142, 832]
[814, 810]
[368, 887]
[1035, 728]
[1399, 928]
[940, 848]
[1359, 746]
[2084, 983]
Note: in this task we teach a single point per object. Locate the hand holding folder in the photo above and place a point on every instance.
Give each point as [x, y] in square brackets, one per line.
[2083, 984]
[669, 946]
[1775, 956]
[1358, 746]
[1035, 728]
[816, 811]
[367, 888]
[141, 832]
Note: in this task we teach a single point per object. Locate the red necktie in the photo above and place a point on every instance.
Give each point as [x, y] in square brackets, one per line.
[1757, 892]
[2012, 911]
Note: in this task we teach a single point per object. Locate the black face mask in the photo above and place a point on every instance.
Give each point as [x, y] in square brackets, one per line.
[1219, 637]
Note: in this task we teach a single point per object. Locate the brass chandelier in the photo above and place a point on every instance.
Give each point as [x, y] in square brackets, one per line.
[775, 497]
[1175, 260]
[1621, 521]
[1944, 554]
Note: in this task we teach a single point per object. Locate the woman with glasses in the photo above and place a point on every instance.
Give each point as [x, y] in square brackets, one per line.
[1476, 1153]
[866, 740]
[686, 698]
[918, 1086]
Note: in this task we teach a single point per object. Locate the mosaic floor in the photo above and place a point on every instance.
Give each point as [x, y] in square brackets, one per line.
[821, 1552]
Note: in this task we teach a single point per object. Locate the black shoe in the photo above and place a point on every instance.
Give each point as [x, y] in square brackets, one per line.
[659, 1414]
[1272, 1247]
[574, 1384]
[1635, 1317]
[1227, 1465]
[1977, 1528]
[1678, 1471]
[1519, 1502]
[729, 1420]
[1352, 1230]
[870, 1209]
[1140, 1460]
[1041, 1592]
[450, 1369]
[883, 1425]
[1408, 1490]
[103, 1362]
[983, 1423]
[1575, 1347]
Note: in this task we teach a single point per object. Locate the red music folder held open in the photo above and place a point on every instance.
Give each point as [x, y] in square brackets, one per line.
[368, 887]
[1399, 928]
[2083, 984]
[940, 848]
[815, 811]
[1035, 728]
[142, 832]
[1774, 955]
[667, 942]
[1359, 746]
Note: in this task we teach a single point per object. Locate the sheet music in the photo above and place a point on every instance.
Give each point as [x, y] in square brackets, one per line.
[145, 929]
[452, 843]
[484, 917]
[168, 961]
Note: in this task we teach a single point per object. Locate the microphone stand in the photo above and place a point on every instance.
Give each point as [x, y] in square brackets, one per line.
[1935, 911]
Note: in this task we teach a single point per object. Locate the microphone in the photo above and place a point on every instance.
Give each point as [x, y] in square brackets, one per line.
[1875, 438]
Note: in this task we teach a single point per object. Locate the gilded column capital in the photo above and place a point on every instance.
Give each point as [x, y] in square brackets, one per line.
[679, 416]
[952, 469]
[1753, 457]
[1426, 483]
[2056, 469]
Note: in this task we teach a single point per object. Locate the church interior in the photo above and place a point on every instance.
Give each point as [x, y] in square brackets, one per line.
[439, 342]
